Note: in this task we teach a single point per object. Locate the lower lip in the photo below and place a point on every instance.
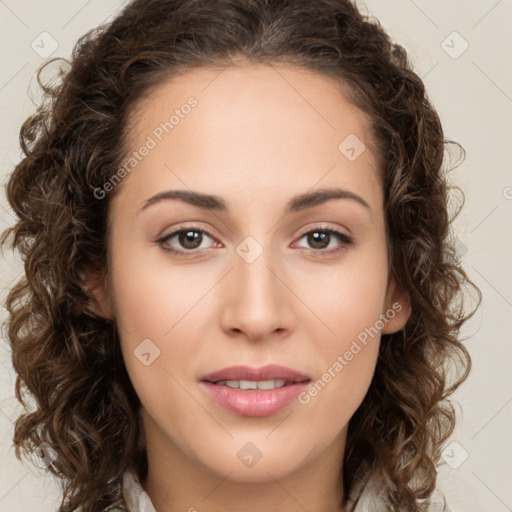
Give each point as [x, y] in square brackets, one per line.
[254, 402]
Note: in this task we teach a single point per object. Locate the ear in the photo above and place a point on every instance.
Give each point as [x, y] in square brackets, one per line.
[397, 308]
[96, 282]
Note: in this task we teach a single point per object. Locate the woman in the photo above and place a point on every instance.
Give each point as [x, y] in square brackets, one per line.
[240, 289]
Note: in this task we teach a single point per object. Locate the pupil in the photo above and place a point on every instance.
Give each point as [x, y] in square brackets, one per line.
[314, 240]
[189, 239]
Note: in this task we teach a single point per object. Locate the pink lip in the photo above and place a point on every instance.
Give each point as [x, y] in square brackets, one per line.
[254, 402]
[268, 372]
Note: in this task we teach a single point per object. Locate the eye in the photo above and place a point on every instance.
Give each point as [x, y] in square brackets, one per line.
[320, 238]
[189, 239]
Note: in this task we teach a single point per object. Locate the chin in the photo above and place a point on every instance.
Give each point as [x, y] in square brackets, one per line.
[258, 461]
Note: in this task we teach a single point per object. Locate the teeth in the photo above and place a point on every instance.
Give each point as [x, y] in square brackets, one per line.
[252, 384]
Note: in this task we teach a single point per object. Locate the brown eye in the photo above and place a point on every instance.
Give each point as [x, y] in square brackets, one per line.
[320, 239]
[190, 239]
[184, 240]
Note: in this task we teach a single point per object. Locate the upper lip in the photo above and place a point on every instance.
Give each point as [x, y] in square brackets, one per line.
[268, 372]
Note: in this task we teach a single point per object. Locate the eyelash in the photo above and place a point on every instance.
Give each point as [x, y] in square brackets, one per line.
[345, 240]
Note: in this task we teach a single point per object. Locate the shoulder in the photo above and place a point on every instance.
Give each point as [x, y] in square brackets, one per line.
[117, 508]
[370, 493]
[111, 508]
[436, 502]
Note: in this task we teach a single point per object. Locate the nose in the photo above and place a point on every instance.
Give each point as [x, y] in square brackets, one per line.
[258, 303]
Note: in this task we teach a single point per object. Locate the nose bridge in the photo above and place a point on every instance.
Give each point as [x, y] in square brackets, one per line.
[257, 303]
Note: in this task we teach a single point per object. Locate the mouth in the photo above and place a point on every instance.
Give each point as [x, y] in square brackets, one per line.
[248, 385]
[253, 392]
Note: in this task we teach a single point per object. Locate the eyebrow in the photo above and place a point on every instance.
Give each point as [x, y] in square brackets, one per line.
[215, 203]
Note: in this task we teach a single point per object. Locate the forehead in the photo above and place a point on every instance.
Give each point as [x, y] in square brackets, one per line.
[256, 125]
[264, 91]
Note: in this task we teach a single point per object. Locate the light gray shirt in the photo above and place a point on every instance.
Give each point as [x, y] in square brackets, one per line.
[137, 500]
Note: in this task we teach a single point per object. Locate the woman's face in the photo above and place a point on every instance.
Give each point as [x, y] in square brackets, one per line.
[257, 279]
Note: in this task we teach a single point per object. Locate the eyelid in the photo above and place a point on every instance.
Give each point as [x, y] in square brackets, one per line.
[322, 227]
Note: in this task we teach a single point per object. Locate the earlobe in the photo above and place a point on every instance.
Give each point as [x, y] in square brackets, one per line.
[96, 283]
[398, 309]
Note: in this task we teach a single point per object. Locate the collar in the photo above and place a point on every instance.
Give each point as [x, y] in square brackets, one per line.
[372, 500]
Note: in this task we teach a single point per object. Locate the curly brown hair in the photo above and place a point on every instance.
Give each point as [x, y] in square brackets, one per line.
[68, 360]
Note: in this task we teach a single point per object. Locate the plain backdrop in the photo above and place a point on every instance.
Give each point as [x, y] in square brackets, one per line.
[463, 51]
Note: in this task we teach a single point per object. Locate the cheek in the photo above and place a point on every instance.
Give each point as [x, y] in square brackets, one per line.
[349, 301]
[154, 310]
[347, 361]
[347, 298]
[152, 296]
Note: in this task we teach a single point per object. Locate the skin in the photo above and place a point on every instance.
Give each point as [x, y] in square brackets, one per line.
[259, 136]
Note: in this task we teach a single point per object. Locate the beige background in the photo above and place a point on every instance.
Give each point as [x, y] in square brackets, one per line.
[472, 91]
